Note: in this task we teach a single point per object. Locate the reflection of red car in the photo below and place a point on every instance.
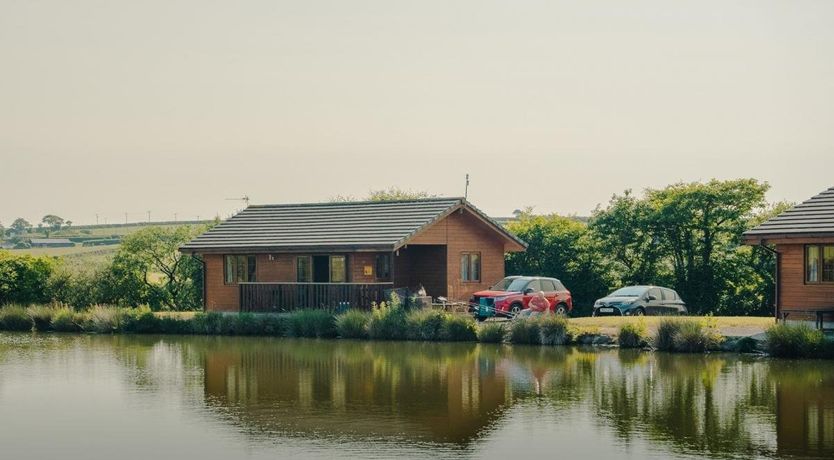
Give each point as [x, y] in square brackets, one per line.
[512, 294]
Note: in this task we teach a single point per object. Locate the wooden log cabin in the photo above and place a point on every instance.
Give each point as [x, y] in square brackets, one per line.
[330, 255]
[803, 240]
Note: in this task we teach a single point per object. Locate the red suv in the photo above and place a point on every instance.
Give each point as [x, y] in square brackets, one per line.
[512, 294]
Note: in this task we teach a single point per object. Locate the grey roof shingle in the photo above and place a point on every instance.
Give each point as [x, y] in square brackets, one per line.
[329, 226]
[813, 217]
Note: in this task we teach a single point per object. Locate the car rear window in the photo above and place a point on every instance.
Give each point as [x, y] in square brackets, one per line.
[669, 294]
[560, 286]
[547, 285]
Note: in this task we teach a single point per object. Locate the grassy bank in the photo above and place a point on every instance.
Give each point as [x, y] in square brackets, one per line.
[391, 322]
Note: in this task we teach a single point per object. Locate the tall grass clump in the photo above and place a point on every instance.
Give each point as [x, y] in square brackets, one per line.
[795, 341]
[666, 332]
[210, 323]
[457, 328]
[353, 324]
[104, 319]
[695, 337]
[41, 316]
[632, 335]
[65, 319]
[553, 330]
[426, 324]
[311, 323]
[15, 318]
[492, 332]
[687, 336]
[525, 332]
[388, 322]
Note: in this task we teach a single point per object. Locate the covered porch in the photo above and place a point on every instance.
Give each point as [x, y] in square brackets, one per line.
[361, 279]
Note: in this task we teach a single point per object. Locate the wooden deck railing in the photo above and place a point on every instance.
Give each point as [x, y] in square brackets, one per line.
[276, 297]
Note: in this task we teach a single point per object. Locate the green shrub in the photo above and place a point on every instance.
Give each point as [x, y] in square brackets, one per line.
[457, 328]
[210, 323]
[746, 345]
[426, 324]
[353, 324]
[104, 319]
[632, 335]
[172, 325]
[492, 332]
[65, 320]
[525, 331]
[140, 321]
[311, 323]
[41, 316]
[666, 332]
[553, 330]
[14, 318]
[795, 341]
[273, 325]
[244, 324]
[388, 323]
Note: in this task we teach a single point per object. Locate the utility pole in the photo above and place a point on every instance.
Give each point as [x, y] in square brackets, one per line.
[149, 217]
[96, 218]
[466, 189]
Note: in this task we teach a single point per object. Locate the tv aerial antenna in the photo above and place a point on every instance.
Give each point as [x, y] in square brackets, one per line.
[244, 199]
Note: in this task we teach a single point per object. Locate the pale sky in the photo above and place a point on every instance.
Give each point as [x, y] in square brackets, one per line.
[173, 106]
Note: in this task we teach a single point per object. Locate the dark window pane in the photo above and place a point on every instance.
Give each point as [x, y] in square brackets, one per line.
[547, 285]
[383, 266]
[812, 263]
[250, 275]
[464, 267]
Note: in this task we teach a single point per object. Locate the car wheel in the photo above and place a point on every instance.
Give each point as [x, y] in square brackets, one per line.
[561, 310]
[515, 309]
[640, 312]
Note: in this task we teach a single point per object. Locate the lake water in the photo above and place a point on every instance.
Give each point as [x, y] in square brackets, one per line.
[154, 397]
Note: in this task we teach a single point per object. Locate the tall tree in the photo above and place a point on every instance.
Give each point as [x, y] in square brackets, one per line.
[625, 232]
[20, 226]
[700, 223]
[154, 251]
[53, 222]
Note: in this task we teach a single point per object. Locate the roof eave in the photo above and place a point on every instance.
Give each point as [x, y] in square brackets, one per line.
[761, 238]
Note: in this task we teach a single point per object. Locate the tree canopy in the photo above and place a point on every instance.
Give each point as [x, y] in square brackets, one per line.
[389, 194]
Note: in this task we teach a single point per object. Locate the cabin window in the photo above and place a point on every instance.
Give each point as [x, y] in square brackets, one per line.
[239, 269]
[819, 263]
[470, 266]
[383, 267]
[304, 269]
[338, 269]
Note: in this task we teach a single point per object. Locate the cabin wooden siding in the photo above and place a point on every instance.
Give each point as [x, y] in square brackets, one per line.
[794, 292]
[463, 232]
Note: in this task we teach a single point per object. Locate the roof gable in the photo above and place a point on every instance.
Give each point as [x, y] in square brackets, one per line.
[382, 226]
[813, 217]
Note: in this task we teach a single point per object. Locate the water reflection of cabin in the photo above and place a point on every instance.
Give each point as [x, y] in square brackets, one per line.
[803, 238]
[303, 387]
[281, 257]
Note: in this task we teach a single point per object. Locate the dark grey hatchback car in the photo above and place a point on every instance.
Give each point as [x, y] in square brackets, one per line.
[639, 301]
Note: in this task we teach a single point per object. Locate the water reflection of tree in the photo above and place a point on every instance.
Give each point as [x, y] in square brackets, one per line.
[698, 403]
